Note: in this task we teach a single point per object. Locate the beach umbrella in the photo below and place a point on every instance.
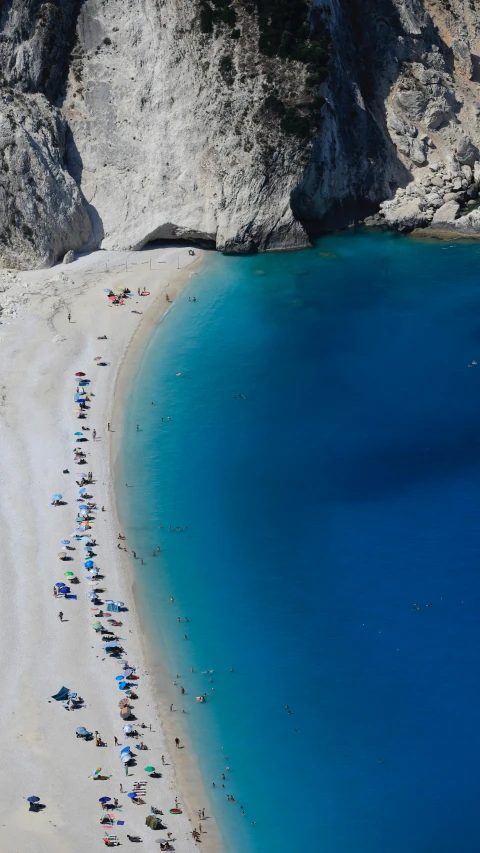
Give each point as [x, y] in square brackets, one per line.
[81, 730]
[123, 703]
[106, 290]
[62, 555]
[119, 678]
[65, 589]
[89, 564]
[132, 795]
[33, 799]
[80, 373]
[56, 497]
[82, 491]
[68, 575]
[149, 769]
[65, 541]
[97, 771]
[128, 730]
[125, 758]
[104, 799]
[60, 583]
[124, 750]
[79, 531]
[122, 685]
[83, 506]
[97, 626]
[78, 433]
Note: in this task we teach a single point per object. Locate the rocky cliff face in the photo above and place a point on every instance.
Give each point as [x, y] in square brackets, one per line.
[249, 124]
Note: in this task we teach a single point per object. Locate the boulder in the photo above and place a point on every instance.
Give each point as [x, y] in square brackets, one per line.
[446, 213]
[462, 56]
[467, 153]
[407, 215]
[69, 257]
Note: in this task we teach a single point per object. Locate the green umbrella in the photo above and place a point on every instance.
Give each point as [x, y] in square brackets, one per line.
[68, 575]
[149, 769]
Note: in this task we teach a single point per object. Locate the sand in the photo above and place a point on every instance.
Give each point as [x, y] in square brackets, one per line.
[40, 352]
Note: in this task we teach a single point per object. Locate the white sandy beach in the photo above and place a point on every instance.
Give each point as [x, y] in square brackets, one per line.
[40, 352]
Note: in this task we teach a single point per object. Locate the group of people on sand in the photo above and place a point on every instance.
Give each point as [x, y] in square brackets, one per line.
[102, 612]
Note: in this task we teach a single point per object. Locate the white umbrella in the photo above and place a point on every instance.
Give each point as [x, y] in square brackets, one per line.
[127, 729]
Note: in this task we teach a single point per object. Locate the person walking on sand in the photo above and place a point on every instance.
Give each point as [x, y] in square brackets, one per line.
[171, 707]
[60, 616]
[116, 740]
[94, 433]
[163, 759]
[108, 426]
[177, 742]
[69, 317]
[138, 427]
[121, 788]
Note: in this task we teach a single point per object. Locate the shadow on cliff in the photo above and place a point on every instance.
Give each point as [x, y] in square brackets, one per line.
[74, 165]
[354, 164]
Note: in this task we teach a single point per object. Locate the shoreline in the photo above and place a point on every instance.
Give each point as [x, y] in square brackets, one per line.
[190, 782]
[41, 350]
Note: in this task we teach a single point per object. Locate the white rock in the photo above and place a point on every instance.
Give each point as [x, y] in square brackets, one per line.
[446, 213]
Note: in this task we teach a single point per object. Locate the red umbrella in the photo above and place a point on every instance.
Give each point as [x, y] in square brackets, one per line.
[80, 374]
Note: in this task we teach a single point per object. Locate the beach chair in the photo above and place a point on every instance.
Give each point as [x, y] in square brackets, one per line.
[111, 840]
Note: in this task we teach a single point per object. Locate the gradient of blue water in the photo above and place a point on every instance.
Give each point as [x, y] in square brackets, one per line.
[341, 491]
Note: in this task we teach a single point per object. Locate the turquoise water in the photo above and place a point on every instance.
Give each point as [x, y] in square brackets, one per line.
[319, 510]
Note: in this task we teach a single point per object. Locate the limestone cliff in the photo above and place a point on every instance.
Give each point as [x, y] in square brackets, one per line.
[249, 124]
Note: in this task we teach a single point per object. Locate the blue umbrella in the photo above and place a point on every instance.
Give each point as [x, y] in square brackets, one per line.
[124, 750]
[106, 290]
[132, 795]
[83, 506]
[104, 799]
[81, 730]
[89, 564]
[33, 799]
[64, 589]
[65, 541]
[82, 491]
[78, 433]
[60, 583]
[56, 497]
[120, 678]
[122, 685]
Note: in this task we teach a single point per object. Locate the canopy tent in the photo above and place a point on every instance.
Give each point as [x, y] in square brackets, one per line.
[62, 694]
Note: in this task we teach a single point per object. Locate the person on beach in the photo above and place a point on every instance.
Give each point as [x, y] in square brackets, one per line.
[171, 707]
[134, 555]
[55, 591]
[108, 427]
[116, 740]
[60, 616]
[163, 759]
[177, 742]
[69, 317]
[94, 433]
[138, 427]
[121, 788]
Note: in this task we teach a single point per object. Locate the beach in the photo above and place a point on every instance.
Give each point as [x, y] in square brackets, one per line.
[41, 350]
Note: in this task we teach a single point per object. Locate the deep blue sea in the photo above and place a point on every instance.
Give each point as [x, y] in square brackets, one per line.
[323, 454]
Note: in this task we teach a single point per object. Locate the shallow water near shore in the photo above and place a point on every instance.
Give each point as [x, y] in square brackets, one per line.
[331, 545]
